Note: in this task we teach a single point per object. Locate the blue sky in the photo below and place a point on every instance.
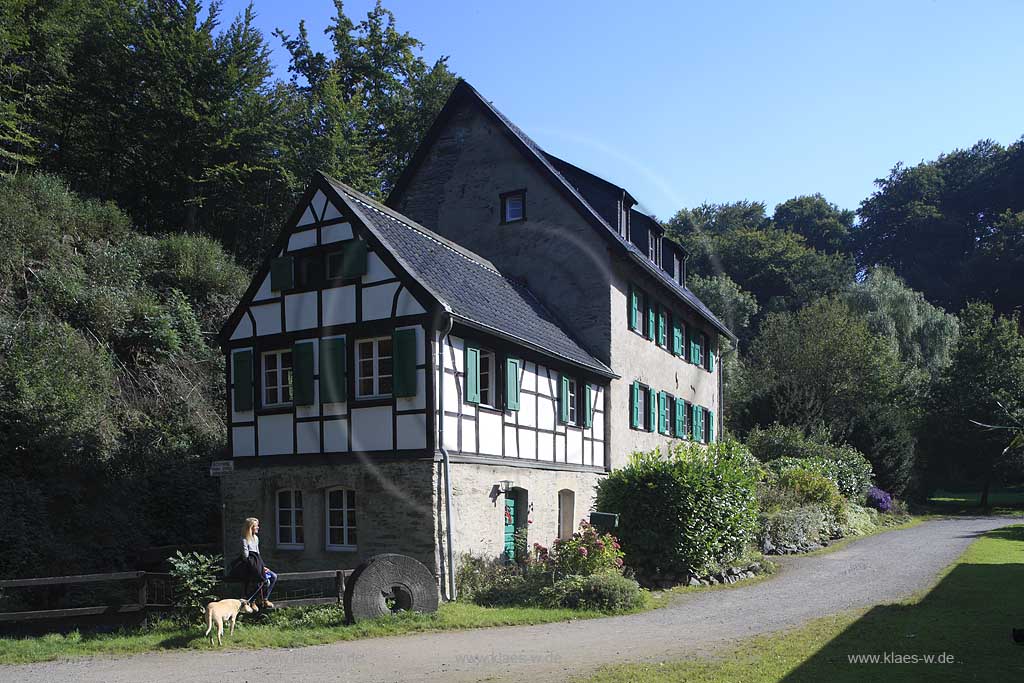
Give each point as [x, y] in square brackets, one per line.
[683, 103]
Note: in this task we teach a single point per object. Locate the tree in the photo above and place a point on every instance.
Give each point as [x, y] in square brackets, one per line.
[733, 306]
[924, 336]
[948, 226]
[824, 225]
[822, 365]
[983, 384]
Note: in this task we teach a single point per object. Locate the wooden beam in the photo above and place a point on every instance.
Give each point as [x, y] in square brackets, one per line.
[73, 612]
[62, 580]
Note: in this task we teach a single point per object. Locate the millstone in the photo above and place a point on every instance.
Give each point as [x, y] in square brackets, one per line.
[389, 583]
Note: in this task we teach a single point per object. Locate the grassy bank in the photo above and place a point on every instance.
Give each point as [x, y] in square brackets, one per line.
[1005, 502]
[967, 615]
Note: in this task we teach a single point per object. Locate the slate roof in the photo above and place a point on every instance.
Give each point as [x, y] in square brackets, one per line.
[468, 285]
[547, 164]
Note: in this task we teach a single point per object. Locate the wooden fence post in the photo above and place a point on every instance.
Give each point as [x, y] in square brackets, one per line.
[144, 596]
[339, 584]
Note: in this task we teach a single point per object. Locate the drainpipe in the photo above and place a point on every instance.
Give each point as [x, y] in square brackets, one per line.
[441, 336]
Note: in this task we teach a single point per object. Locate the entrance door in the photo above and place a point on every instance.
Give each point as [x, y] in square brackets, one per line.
[510, 527]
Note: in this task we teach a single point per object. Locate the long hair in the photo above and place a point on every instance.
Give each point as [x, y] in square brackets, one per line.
[250, 524]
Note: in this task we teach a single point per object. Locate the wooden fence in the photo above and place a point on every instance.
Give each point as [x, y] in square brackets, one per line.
[149, 587]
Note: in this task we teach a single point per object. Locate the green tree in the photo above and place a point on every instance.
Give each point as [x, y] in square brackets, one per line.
[983, 384]
[824, 225]
[949, 227]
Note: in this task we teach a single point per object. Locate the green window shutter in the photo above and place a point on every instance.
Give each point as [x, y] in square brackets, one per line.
[302, 373]
[588, 407]
[694, 347]
[353, 262]
[652, 410]
[241, 375]
[282, 273]
[662, 413]
[677, 338]
[333, 380]
[694, 420]
[512, 383]
[472, 374]
[563, 399]
[651, 322]
[711, 426]
[637, 409]
[404, 369]
[662, 328]
[634, 308]
[680, 429]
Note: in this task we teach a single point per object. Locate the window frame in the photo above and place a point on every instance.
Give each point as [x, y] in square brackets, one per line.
[504, 198]
[347, 505]
[572, 402]
[377, 375]
[279, 386]
[293, 544]
[491, 390]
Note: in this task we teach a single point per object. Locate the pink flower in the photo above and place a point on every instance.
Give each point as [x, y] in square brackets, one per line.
[618, 562]
[600, 544]
[615, 544]
[583, 551]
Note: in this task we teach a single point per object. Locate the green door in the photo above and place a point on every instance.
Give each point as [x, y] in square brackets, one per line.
[510, 527]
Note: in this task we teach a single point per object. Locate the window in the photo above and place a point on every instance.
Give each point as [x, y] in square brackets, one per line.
[513, 206]
[341, 519]
[571, 397]
[488, 379]
[335, 265]
[566, 513]
[652, 246]
[289, 519]
[702, 339]
[277, 378]
[307, 271]
[373, 367]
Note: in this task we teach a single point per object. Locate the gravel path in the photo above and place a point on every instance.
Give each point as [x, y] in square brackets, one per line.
[879, 569]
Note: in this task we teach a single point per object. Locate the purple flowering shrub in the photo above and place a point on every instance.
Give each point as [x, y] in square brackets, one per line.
[586, 553]
[879, 499]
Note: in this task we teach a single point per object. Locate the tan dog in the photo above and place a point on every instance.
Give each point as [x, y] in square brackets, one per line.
[225, 610]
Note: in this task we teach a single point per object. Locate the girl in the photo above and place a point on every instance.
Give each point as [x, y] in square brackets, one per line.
[251, 557]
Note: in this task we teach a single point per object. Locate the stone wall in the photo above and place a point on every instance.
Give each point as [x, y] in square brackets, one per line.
[478, 509]
[395, 510]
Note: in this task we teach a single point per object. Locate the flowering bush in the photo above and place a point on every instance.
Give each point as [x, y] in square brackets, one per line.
[879, 499]
[604, 591]
[587, 552]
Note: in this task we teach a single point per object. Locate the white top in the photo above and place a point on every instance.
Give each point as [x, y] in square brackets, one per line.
[252, 546]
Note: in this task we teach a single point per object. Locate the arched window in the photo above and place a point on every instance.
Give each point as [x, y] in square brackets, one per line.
[566, 513]
[340, 523]
[289, 519]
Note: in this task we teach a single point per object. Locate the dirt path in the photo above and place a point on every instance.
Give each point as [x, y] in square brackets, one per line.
[879, 569]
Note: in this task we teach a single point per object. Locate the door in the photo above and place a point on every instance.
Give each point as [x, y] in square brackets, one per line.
[510, 527]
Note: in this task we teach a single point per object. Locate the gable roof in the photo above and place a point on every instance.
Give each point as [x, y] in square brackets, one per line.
[467, 285]
[546, 164]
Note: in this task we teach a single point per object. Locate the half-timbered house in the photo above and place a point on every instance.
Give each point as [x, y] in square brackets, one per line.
[432, 386]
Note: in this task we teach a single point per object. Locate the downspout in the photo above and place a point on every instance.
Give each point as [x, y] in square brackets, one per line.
[446, 464]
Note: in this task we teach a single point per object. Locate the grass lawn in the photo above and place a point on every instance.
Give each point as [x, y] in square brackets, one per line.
[294, 627]
[968, 615]
[1007, 502]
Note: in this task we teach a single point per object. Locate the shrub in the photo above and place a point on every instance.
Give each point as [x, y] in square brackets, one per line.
[850, 469]
[860, 520]
[811, 488]
[815, 464]
[879, 499]
[794, 527]
[683, 512]
[587, 552]
[193, 578]
[605, 591]
[854, 471]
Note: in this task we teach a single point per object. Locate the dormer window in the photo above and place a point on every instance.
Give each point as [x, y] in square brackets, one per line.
[513, 206]
[652, 246]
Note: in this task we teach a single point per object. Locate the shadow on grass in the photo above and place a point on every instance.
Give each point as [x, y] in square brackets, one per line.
[967, 617]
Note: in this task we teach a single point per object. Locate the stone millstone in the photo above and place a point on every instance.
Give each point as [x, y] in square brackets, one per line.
[389, 583]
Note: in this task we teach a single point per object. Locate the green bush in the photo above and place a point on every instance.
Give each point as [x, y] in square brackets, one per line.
[847, 467]
[193, 578]
[815, 464]
[683, 512]
[605, 592]
[793, 527]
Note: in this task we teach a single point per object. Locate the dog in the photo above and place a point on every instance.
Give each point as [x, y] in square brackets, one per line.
[225, 610]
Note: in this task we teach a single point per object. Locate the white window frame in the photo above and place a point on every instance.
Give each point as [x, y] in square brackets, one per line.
[506, 206]
[345, 526]
[280, 384]
[293, 527]
[488, 391]
[573, 401]
[376, 376]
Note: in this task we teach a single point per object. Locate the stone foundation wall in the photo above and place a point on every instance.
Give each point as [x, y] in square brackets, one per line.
[395, 511]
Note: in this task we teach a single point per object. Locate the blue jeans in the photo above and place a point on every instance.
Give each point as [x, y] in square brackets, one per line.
[269, 580]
